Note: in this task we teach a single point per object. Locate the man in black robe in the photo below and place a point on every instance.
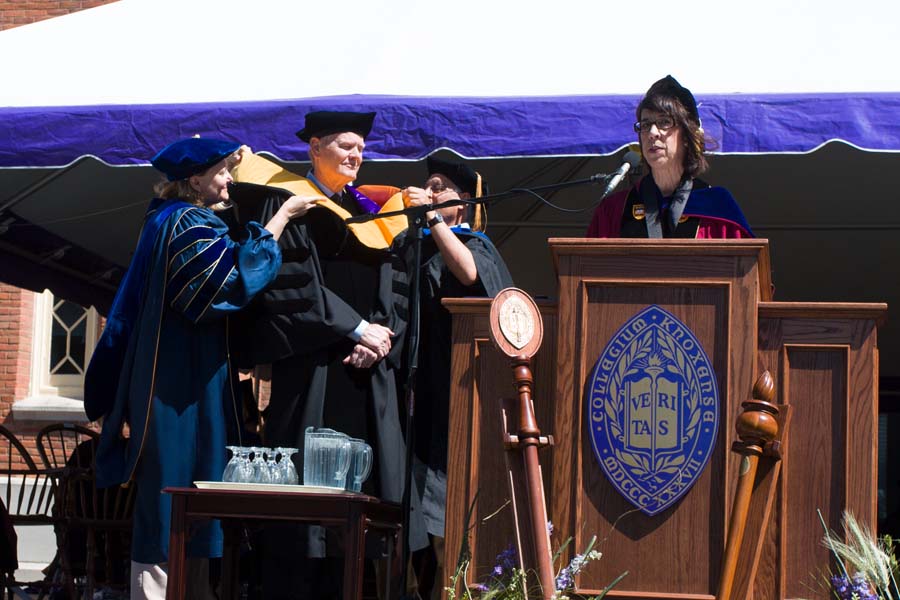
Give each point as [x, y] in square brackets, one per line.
[458, 260]
[330, 326]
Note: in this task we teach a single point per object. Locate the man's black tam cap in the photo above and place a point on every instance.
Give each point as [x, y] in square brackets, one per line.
[325, 122]
[462, 175]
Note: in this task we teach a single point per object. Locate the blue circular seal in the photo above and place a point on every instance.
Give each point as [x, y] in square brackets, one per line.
[653, 409]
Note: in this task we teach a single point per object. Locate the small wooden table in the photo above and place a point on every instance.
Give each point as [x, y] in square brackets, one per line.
[354, 514]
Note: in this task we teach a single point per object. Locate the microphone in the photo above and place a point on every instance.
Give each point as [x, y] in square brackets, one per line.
[631, 160]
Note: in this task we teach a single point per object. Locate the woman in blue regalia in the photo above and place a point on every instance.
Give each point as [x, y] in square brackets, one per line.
[160, 371]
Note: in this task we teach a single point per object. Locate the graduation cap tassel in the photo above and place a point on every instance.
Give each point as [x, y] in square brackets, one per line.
[479, 221]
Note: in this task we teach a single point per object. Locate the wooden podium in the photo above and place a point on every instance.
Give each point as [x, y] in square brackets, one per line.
[823, 359]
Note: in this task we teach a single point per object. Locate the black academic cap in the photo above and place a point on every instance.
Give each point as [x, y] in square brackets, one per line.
[466, 179]
[325, 122]
[461, 174]
[669, 87]
[181, 159]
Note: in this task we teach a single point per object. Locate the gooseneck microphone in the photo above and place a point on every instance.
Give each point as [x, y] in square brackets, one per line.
[631, 160]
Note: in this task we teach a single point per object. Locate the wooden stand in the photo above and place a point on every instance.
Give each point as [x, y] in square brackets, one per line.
[517, 332]
[526, 482]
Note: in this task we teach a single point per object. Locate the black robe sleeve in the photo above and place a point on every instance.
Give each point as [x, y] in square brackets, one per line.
[493, 275]
[440, 283]
[296, 313]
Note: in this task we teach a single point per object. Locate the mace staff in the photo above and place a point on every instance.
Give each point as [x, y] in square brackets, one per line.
[757, 428]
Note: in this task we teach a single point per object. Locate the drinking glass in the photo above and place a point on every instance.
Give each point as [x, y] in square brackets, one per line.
[231, 467]
[275, 473]
[286, 466]
[260, 471]
[243, 472]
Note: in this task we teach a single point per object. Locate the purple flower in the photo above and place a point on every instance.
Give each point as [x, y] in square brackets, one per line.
[549, 528]
[862, 588]
[506, 562]
[507, 559]
[577, 563]
[565, 580]
[840, 585]
[855, 588]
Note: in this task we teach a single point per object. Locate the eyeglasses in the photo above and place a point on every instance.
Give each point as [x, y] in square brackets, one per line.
[437, 187]
[663, 124]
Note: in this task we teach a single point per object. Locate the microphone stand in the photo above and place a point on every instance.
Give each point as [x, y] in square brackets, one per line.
[416, 216]
[489, 198]
[416, 228]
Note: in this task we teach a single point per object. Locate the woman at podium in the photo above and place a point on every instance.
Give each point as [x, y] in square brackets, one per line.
[671, 201]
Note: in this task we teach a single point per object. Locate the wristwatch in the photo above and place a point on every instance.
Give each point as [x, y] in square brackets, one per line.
[434, 220]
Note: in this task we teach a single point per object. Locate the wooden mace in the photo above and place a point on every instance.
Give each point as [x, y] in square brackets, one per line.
[756, 427]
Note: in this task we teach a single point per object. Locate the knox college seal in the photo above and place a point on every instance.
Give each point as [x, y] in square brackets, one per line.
[653, 409]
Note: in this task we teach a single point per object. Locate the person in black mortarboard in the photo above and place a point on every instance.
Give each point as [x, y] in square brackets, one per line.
[330, 325]
[670, 202]
[458, 260]
[161, 365]
[336, 143]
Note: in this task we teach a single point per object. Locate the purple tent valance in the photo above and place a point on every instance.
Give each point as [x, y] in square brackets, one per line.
[411, 127]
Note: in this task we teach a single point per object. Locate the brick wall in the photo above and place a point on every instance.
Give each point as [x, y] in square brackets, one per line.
[22, 12]
[16, 327]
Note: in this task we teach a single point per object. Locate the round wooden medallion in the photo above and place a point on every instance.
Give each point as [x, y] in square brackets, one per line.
[516, 326]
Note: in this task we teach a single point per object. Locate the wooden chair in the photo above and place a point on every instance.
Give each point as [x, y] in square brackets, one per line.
[29, 494]
[97, 519]
[57, 443]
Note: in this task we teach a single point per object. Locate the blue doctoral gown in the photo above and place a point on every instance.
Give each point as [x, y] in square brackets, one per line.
[161, 365]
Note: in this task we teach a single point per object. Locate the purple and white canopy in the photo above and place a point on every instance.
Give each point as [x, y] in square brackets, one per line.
[88, 98]
[411, 127]
[120, 81]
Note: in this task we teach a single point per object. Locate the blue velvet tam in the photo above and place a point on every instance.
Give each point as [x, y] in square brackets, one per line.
[325, 122]
[181, 159]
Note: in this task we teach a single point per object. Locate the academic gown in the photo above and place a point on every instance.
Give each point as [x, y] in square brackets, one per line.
[327, 284]
[433, 374]
[710, 213]
[161, 365]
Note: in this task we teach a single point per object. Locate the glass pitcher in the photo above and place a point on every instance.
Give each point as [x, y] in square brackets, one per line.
[360, 464]
[326, 458]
